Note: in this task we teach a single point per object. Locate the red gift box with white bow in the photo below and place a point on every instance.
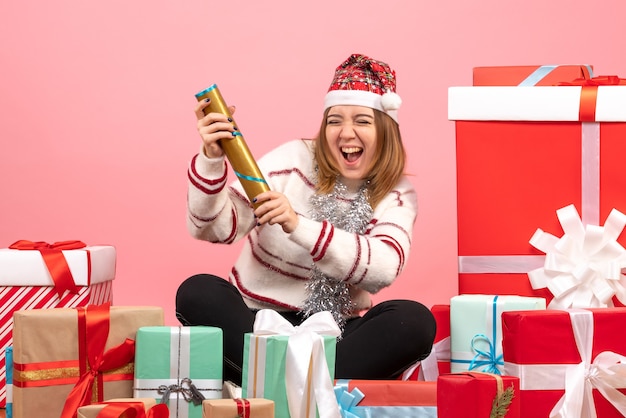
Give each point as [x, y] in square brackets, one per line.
[522, 153]
[567, 360]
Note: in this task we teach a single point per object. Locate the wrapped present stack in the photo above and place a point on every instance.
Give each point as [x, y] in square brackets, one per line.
[538, 170]
[39, 275]
[65, 358]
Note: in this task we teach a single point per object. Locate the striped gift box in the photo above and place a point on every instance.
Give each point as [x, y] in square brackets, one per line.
[25, 283]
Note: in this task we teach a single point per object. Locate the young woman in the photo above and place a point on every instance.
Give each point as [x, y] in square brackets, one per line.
[335, 228]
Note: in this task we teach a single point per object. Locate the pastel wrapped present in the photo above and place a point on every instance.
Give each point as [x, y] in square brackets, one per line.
[476, 329]
[292, 366]
[30, 271]
[521, 154]
[438, 361]
[66, 358]
[478, 395]
[386, 398]
[179, 366]
[529, 75]
[239, 407]
[124, 408]
[567, 360]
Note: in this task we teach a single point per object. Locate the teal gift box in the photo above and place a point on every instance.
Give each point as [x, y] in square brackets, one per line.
[265, 362]
[476, 329]
[179, 366]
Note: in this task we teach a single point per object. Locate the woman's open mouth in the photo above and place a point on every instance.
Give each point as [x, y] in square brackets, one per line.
[351, 154]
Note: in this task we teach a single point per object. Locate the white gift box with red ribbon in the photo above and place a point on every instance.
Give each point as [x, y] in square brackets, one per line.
[27, 283]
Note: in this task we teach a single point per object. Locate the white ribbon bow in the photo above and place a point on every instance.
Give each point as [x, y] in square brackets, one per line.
[306, 370]
[606, 373]
[582, 269]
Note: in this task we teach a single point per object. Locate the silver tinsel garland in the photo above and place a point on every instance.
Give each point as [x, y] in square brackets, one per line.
[327, 293]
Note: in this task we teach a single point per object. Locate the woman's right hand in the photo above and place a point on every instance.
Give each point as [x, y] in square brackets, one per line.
[212, 128]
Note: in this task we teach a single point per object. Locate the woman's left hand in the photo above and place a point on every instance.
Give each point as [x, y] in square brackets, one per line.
[274, 208]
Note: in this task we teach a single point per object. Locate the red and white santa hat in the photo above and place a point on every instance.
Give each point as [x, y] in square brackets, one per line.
[363, 81]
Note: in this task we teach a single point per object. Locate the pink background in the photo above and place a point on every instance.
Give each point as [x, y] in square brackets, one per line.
[97, 123]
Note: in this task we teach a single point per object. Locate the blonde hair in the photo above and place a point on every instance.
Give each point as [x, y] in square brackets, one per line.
[386, 169]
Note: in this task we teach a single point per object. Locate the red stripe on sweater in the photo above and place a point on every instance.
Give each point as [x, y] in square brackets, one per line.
[233, 231]
[329, 238]
[394, 244]
[271, 266]
[319, 239]
[211, 182]
[357, 260]
[404, 231]
[200, 187]
[251, 295]
[196, 180]
[287, 172]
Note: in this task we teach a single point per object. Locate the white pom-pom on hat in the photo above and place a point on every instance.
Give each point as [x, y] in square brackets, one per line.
[390, 101]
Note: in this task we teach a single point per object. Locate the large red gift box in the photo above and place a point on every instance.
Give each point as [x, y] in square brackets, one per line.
[522, 154]
[472, 394]
[27, 281]
[577, 349]
[529, 75]
[438, 361]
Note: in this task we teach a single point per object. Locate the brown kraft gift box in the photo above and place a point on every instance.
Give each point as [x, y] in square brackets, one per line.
[245, 408]
[46, 357]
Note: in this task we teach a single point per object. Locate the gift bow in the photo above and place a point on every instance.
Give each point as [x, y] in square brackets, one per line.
[133, 410]
[491, 359]
[93, 331]
[348, 401]
[305, 364]
[189, 391]
[601, 80]
[606, 373]
[582, 269]
[56, 263]
[589, 93]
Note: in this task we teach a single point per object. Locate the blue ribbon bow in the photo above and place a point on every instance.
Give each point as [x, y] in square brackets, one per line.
[348, 400]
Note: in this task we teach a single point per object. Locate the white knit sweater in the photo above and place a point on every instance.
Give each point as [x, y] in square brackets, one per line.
[273, 266]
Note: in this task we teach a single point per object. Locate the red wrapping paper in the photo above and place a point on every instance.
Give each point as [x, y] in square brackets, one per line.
[512, 175]
[514, 75]
[395, 392]
[471, 395]
[546, 338]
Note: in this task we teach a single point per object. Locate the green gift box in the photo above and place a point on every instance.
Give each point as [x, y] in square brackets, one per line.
[179, 366]
[476, 329]
[265, 359]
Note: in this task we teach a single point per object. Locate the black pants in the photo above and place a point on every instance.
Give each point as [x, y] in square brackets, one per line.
[379, 345]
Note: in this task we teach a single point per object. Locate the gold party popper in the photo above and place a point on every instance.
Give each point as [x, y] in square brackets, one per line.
[235, 148]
